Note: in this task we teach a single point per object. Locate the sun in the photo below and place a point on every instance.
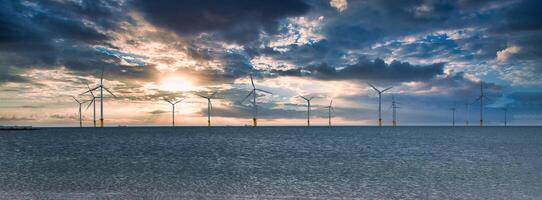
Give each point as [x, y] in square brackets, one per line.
[175, 84]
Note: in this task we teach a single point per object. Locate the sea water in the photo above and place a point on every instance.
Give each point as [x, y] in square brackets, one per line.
[272, 163]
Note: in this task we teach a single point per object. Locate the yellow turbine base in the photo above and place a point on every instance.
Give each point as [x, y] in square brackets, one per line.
[80, 124]
[208, 123]
[394, 123]
[379, 122]
[481, 123]
[94, 123]
[101, 123]
[254, 122]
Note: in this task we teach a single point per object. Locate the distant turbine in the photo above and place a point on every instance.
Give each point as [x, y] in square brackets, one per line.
[379, 102]
[80, 113]
[453, 116]
[102, 88]
[209, 107]
[329, 109]
[481, 99]
[173, 111]
[92, 102]
[255, 108]
[394, 106]
[505, 109]
[467, 110]
[308, 109]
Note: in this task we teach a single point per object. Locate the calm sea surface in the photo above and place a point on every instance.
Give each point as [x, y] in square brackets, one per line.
[272, 163]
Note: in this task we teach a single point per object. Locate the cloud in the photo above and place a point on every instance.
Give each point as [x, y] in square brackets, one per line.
[340, 5]
[65, 116]
[523, 16]
[17, 118]
[238, 21]
[158, 112]
[503, 55]
[369, 70]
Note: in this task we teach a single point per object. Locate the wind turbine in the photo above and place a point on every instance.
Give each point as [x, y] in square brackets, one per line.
[467, 110]
[329, 109]
[308, 109]
[453, 116]
[209, 107]
[481, 99]
[255, 108]
[394, 106]
[102, 88]
[80, 114]
[379, 102]
[505, 109]
[92, 102]
[173, 111]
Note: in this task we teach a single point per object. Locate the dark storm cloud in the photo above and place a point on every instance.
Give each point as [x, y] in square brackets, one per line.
[239, 20]
[50, 34]
[527, 99]
[524, 16]
[366, 69]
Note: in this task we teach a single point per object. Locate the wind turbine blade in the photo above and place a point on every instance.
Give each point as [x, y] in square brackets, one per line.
[90, 90]
[179, 101]
[264, 91]
[102, 76]
[333, 109]
[331, 102]
[212, 95]
[304, 98]
[109, 91]
[311, 98]
[210, 105]
[387, 89]
[202, 96]
[92, 101]
[75, 99]
[373, 87]
[252, 81]
[247, 96]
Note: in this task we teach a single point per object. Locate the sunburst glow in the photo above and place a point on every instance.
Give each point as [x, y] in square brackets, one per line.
[175, 84]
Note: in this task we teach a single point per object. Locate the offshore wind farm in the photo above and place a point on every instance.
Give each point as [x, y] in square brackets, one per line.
[270, 99]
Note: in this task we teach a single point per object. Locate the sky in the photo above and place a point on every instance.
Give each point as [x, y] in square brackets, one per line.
[434, 53]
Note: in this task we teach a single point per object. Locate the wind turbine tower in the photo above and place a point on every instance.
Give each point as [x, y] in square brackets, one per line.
[102, 88]
[505, 109]
[80, 113]
[308, 109]
[173, 111]
[329, 109]
[379, 102]
[467, 110]
[394, 106]
[209, 107]
[453, 116]
[92, 102]
[481, 98]
[255, 108]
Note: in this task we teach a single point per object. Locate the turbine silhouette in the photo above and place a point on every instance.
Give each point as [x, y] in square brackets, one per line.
[209, 107]
[308, 109]
[379, 102]
[255, 107]
[173, 103]
[102, 88]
